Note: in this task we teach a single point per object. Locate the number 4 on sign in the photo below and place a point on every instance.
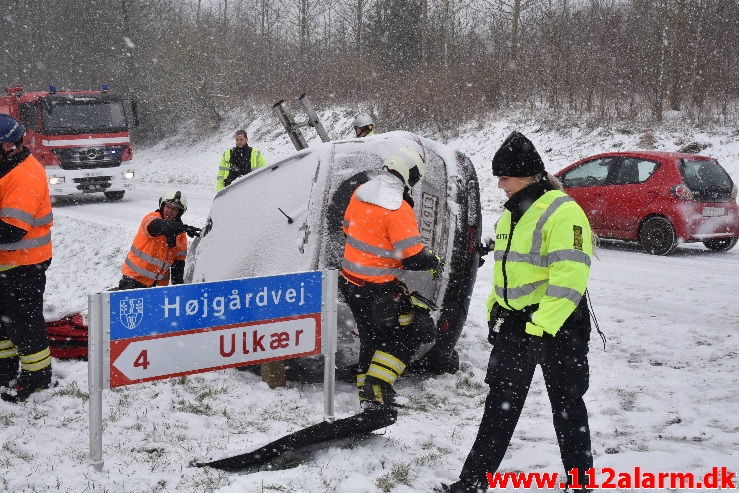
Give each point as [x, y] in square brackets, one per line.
[142, 360]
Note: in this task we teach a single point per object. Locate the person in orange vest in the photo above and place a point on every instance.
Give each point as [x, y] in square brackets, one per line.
[382, 239]
[25, 254]
[159, 249]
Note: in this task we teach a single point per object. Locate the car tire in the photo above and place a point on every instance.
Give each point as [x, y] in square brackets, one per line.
[720, 244]
[114, 196]
[657, 236]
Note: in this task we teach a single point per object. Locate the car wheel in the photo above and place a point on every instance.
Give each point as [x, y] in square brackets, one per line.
[657, 236]
[720, 244]
[113, 196]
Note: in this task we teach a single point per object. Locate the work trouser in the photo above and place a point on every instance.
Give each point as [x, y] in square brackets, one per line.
[566, 375]
[380, 332]
[22, 326]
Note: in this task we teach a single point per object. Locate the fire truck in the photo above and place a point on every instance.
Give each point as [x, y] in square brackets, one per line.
[80, 137]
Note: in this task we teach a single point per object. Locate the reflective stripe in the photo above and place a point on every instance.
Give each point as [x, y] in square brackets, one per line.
[388, 360]
[519, 292]
[36, 361]
[407, 243]
[181, 253]
[345, 223]
[383, 374]
[544, 260]
[369, 271]
[537, 237]
[360, 379]
[8, 353]
[564, 293]
[149, 259]
[406, 319]
[26, 217]
[26, 244]
[367, 248]
[7, 349]
[143, 272]
[224, 168]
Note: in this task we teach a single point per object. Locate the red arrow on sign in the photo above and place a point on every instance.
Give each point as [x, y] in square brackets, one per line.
[143, 359]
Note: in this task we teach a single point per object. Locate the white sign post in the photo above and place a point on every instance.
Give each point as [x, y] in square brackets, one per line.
[149, 334]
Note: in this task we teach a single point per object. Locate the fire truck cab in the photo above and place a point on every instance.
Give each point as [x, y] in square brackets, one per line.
[80, 137]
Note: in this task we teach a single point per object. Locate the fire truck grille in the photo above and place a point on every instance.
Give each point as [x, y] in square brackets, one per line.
[90, 157]
[93, 183]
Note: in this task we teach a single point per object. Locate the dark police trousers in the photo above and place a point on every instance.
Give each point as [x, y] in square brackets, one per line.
[509, 376]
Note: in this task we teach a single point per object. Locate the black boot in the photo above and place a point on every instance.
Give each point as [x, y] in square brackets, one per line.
[462, 486]
[28, 383]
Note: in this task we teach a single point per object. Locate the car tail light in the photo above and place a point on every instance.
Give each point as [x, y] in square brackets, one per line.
[472, 239]
[682, 192]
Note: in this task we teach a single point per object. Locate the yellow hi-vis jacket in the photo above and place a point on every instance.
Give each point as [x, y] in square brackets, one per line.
[256, 160]
[544, 261]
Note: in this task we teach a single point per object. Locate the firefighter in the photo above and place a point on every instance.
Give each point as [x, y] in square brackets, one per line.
[25, 254]
[538, 314]
[159, 249]
[382, 238]
[238, 161]
[363, 125]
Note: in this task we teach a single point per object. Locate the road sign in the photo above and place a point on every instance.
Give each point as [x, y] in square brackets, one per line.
[149, 334]
[143, 359]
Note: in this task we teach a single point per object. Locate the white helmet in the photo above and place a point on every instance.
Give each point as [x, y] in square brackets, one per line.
[363, 120]
[175, 198]
[408, 163]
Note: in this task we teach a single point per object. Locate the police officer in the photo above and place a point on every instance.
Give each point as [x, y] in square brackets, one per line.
[159, 248]
[382, 238]
[238, 161]
[25, 254]
[538, 314]
[363, 125]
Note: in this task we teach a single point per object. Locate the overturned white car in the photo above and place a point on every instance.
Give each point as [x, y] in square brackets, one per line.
[287, 218]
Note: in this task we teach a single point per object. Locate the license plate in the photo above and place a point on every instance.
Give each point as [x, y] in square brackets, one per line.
[714, 211]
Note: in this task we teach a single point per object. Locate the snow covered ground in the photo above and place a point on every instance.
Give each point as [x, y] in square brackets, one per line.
[663, 395]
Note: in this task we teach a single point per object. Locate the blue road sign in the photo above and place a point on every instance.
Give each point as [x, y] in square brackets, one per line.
[156, 311]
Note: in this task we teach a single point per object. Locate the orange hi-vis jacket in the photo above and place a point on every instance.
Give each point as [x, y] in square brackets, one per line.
[25, 204]
[150, 259]
[377, 239]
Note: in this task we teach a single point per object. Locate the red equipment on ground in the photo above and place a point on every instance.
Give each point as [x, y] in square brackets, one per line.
[68, 337]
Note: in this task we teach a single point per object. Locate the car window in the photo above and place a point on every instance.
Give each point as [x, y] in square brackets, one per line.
[632, 171]
[591, 173]
[706, 179]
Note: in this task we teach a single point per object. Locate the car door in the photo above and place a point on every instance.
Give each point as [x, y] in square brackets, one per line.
[584, 183]
[631, 186]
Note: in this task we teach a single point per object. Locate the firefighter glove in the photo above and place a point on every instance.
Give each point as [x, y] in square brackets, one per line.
[437, 271]
[536, 349]
[191, 231]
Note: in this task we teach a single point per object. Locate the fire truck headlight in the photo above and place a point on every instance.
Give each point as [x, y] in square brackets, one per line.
[56, 180]
[128, 175]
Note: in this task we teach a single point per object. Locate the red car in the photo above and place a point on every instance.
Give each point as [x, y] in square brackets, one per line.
[659, 199]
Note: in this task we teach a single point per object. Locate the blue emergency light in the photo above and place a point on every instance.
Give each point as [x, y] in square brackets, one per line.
[52, 89]
[105, 87]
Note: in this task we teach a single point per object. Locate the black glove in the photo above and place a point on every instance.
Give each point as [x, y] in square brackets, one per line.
[493, 325]
[191, 231]
[536, 349]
